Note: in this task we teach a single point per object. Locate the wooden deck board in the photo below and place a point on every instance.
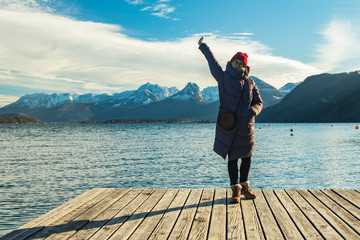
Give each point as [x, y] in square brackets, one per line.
[148, 225]
[349, 219]
[40, 222]
[324, 229]
[93, 226]
[300, 220]
[163, 229]
[235, 221]
[352, 196]
[199, 229]
[125, 231]
[199, 214]
[217, 228]
[252, 225]
[111, 226]
[341, 227]
[183, 225]
[343, 203]
[58, 226]
[287, 226]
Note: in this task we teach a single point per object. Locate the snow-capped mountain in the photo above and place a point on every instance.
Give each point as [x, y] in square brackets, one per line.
[146, 94]
[44, 100]
[191, 91]
[149, 101]
[211, 94]
[51, 100]
[287, 88]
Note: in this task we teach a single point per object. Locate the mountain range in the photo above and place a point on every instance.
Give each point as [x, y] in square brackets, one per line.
[149, 101]
[320, 98]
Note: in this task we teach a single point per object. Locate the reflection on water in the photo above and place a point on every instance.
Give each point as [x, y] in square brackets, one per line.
[43, 166]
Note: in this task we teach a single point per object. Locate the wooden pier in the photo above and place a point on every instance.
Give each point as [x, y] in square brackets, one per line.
[103, 213]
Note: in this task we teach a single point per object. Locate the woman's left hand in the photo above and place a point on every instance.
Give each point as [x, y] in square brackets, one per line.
[201, 40]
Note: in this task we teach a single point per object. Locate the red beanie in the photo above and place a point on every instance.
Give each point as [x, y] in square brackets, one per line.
[241, 56]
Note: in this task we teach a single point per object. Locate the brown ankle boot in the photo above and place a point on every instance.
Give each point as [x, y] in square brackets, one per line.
[236, 193]
[245, 190]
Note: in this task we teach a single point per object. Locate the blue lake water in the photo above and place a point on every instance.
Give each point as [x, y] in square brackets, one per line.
[43, 166]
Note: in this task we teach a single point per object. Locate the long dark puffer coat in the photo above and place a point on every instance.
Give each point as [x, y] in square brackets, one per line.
[240, 142]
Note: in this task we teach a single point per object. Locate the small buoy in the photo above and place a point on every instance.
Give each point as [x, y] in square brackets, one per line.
[269, 125]
[357, 127]
[295, 124]
[332, 125]
[291, 130]
[291, 134]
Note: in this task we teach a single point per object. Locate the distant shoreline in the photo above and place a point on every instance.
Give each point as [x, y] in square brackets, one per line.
[17, 120]
[29, 120]
[121, 121]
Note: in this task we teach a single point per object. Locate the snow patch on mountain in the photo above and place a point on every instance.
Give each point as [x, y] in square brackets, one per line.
[287, 88]
[44, 100]
[191, 91]
[146, 94]
[50, 100]
[211, 94]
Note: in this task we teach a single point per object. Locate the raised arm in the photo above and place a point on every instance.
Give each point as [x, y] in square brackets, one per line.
[214, 66]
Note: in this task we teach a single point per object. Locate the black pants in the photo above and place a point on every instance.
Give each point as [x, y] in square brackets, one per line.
[244, 170]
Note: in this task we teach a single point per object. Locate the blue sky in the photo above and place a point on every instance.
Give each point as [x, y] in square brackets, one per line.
[113, 46]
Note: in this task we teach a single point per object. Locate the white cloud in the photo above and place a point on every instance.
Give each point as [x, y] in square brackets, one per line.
[159, 9]
[47, 52]
[26, 5]
[134, 2]
[5, 100]
[340, 46]
[145, 8]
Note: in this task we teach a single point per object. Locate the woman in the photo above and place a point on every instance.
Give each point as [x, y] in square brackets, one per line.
[238, 93]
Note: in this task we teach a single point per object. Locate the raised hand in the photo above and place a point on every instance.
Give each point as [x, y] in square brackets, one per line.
[201, 40]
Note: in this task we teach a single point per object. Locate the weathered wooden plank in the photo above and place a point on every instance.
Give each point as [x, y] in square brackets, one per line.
[330, 217]
[339, 211]
[252, 223]
[320, 224]
[235, 222]
[125, 231]
[54, 227]
[40, 222]
[67, 230]
[177, 214]
[267, 220]
[163, 229]
[218, 216]
[286, 225]
[147, 226]
[183, 224]
[111, 226]
[343, 203]
[302, 223]
[92, 227]
[350, 195]
[200, 227]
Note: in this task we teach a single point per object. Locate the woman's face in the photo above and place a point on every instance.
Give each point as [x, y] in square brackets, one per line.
[238, 65]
